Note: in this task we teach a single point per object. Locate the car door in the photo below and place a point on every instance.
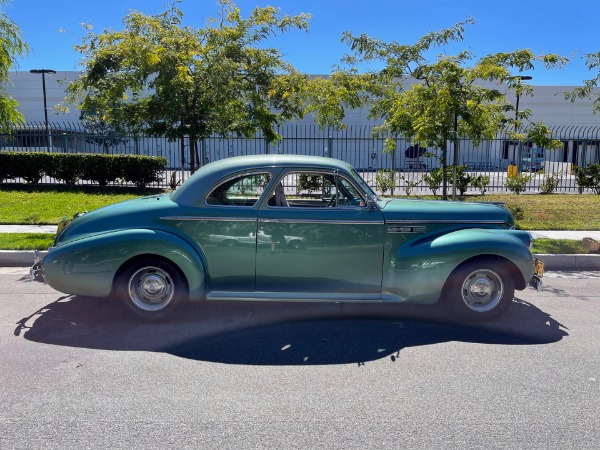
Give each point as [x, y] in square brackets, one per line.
[225, 228]
[324, 241]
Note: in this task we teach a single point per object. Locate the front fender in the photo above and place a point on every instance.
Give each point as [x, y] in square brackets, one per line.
[418, 269]
[88, 266]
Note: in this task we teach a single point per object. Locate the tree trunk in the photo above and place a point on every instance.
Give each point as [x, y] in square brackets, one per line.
[192, 142]
[445, 170]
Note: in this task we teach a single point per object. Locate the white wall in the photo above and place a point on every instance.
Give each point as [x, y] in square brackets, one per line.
[547, 104]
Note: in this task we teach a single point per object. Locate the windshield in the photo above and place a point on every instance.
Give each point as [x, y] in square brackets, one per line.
[362, 183]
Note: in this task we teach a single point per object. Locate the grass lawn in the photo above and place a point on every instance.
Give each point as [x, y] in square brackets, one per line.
[47, 205]
[550, 212]
[22, 204]
[25, 241]
[557, 246]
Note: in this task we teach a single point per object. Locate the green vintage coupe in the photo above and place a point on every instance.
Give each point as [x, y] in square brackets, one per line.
[292, 228]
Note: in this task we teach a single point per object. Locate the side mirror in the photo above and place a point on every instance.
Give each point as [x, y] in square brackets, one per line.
[371, 204]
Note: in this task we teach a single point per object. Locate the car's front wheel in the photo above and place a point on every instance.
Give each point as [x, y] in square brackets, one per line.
[480, 290]
[150, 287]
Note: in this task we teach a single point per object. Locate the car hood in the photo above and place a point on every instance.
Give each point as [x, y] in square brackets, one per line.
[144, 211]
[445, 211]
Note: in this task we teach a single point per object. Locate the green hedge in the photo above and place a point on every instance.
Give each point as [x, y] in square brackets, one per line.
[72, 167]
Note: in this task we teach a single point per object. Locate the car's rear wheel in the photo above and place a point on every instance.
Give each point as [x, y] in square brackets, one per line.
[150, 288]
[481, 289]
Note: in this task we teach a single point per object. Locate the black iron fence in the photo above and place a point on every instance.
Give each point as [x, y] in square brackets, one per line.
[410, 163]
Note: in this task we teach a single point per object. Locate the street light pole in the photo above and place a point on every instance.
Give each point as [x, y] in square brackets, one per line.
[44, 72]
[520, 78]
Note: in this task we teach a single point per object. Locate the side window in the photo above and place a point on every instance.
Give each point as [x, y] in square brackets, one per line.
[314, 190]
[244, 190]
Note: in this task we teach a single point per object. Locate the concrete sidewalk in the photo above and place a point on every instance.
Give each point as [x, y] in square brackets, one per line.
[552, 262]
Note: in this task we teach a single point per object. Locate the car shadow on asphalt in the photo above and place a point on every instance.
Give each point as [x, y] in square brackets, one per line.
[258, 333]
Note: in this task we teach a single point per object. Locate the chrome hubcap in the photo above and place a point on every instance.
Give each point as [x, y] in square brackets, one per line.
[151, 288]
[482, 290]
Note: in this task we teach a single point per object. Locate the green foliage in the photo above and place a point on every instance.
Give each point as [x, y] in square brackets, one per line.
[100, 132]
[557, 246]
[517, 183]
[430, 99]
[68, 167]
[179, 81]
[12, 46]
[309, 183]
[410, 184]
[550, 183]
[385, 180]
[588, 177]
[480, 182]
[433, 179]
[141, 170]
[101, 169]
[463, 178]
[29, 166]
[71, 167]
[592, 62]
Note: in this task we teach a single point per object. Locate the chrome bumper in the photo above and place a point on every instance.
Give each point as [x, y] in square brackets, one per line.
[538, 272]
[35, 272]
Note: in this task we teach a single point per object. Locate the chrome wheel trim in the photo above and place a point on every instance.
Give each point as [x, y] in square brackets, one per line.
[482, 290]
[151, 288]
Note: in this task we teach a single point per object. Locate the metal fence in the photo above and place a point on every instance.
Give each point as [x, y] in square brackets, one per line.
[355, 144]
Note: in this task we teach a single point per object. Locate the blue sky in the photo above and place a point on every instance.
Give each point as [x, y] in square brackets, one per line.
[567, 27]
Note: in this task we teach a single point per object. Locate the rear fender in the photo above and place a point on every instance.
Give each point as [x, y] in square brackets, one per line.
[88, 266]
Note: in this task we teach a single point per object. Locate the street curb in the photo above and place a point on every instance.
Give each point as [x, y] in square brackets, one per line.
[573, 263]
[23, 258]
[18, 258]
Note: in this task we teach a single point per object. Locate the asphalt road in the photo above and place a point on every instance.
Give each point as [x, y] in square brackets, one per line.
[76, 373]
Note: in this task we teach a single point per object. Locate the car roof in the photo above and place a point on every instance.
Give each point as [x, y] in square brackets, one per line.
[208, 175]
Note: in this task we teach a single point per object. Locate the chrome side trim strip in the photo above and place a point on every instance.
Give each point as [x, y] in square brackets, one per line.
[296, 296]
[329, 222]
[410, 222]
[209, 219]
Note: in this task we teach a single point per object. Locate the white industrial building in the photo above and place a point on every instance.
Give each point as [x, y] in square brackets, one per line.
[573, 122]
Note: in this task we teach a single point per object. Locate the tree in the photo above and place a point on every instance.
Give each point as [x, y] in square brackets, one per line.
[434, 101]
[592, 62]
[12, 46]
[179, 81]
[101, 133]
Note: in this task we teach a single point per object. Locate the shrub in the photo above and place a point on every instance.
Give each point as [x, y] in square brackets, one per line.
[30, 166]
[550, 183]
[385, 180]
[517, 184]
[101, 169]
[588, 177]
[409, 185]
[65, 167]
[4, 167]
[481, 182]
[462, 178]
[142, 170]
[433, 179]
[69, 167]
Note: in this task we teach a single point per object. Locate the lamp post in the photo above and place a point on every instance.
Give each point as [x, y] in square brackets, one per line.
[44, 72]
[519, 78]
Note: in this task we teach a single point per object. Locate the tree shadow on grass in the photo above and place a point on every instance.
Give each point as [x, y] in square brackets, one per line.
[258, 333]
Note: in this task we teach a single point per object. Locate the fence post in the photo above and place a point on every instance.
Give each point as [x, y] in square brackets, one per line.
[394, 165]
